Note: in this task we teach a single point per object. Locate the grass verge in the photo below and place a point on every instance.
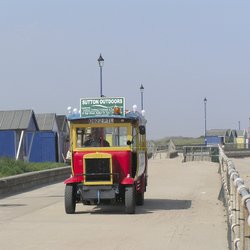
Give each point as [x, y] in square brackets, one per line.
[10, 167]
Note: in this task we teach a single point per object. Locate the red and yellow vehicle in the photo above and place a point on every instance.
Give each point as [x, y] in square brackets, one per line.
[108, 155]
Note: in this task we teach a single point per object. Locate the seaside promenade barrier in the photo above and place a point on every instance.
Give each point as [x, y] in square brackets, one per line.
[234, 194]
[24, 182]
[236, 198]
[201, 153]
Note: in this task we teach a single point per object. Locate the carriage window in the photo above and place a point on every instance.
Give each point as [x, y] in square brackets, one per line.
[118, 136]
[101, 137]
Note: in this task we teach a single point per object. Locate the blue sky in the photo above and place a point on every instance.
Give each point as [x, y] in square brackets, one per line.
[181, 51]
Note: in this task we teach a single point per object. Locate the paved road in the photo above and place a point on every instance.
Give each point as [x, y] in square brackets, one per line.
[181, 212]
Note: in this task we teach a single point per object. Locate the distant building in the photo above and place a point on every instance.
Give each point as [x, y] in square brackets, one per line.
[241, 139]
[45, 141]
[52, 139]
[32, 137]
[17, 130]
[233, 136]
[218, 136]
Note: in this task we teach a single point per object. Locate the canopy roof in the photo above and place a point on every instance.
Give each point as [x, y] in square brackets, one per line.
[132, 116]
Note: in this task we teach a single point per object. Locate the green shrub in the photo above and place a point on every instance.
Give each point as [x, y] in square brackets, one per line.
[9, 166]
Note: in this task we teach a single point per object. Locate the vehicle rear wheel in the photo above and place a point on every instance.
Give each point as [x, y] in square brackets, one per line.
[140, 199]
[70, 198]
[130, 200]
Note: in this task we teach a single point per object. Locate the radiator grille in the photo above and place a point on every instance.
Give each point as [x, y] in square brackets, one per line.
[97, 170]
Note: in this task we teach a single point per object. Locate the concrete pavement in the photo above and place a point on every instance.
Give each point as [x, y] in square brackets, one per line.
[181, 212]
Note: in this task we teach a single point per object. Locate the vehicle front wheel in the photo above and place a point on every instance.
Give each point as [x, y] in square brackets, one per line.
[130, 200]
[70, 198]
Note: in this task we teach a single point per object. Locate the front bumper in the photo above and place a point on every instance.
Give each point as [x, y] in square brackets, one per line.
[97, 193]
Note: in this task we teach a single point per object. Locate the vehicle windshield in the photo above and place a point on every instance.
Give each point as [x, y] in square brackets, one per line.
[101, 137]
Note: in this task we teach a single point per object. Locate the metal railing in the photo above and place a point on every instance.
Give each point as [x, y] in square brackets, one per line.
[200, 153]
[236, 199]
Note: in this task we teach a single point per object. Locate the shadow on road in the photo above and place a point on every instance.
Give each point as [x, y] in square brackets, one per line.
[12, 205]
[150, 206]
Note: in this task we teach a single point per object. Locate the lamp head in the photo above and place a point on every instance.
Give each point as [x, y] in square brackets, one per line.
[100, 61]
[141, 88]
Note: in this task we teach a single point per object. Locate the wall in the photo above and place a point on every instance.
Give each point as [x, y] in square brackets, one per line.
[24, 182]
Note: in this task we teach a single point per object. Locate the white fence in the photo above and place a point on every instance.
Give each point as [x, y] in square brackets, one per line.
[236, 199]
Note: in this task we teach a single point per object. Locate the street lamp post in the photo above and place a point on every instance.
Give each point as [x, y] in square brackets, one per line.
[205, 111]
[101, 63]
[142, 90]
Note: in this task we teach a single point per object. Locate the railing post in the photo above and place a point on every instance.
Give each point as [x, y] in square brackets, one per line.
[184, 154]
[233, 217]
[242, 222]
[210, 153]
[237, 229]
[247, 232]
[246, 226]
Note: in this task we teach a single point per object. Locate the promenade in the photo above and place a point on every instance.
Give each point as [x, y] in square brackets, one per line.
[181, 212]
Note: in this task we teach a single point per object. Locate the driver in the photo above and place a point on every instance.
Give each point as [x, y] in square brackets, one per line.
[96, 139]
